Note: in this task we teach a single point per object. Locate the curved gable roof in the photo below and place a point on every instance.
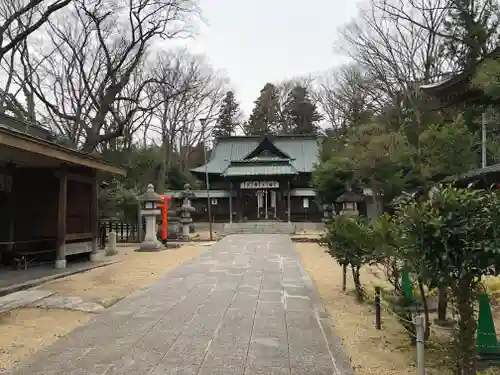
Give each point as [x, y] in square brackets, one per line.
[303, 150]
[267, 145]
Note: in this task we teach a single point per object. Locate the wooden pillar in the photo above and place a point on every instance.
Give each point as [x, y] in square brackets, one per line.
[288, 202]
[274, 201]
[266, 191]
[11, 204]
[230, 202]
[10, 211]
[239, 213]
[94, 215]
[61, 219]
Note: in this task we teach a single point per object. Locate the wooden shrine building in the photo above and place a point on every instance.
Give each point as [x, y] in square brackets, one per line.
[254, 178]
[48, 196]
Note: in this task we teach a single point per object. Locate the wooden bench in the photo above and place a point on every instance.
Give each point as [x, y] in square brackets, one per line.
[23, 257]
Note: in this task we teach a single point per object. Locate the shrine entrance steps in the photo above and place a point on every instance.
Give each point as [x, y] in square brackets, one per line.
[260, 227]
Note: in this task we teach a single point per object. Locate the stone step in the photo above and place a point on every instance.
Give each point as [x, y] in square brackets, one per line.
[266, 227]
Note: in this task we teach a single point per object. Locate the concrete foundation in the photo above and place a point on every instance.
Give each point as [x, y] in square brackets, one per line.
[148, 246]
[262, 227]
[60, 264]
[95, 257]
[268, 227]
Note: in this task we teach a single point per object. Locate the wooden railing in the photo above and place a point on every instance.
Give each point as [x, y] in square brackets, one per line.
[125, 232]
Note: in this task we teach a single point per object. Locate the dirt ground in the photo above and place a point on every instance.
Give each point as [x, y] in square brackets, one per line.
[371, 351]
[24, 331]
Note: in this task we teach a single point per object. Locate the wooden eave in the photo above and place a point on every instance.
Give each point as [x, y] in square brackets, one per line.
[458, 89]
[30, 144]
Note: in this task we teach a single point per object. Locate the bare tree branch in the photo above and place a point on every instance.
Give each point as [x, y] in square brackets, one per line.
[101, 46]
[13, 16]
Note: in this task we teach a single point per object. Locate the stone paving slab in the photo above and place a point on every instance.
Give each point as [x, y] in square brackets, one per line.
[245, 307]
[47, 299]
[22, 298]
[57, 301]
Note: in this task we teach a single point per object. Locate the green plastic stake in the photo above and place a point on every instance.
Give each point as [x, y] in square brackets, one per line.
[406, 285]
[486, 341]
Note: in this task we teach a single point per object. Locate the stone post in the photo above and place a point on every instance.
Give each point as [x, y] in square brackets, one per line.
[111, 244]
[150, 211]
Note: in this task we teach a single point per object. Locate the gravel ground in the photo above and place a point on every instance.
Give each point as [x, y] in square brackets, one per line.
[27, 330]
[372, 352]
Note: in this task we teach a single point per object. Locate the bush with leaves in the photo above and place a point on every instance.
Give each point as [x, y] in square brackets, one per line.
[350, 241]
[119, 203]
[452, 239]
[386, 247]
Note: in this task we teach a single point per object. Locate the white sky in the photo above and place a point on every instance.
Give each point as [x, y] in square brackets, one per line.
[257, 41]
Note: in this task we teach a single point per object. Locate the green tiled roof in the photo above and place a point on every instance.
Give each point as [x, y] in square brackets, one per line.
[303, 151]
[256, 168]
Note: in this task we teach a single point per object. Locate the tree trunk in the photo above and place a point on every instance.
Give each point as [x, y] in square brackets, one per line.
[162, 173]
[357, 283]
[442, 304]
[376, 198]
[91, 142]
[425, 305]
[464, 294]
[344, 277]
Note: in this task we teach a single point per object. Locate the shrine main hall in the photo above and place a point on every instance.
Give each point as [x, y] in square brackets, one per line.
[255, 178]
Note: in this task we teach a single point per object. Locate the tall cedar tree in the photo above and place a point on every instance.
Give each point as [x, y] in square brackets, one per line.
[264, 118]
[228, 117]
[473, 28]
[301, 114]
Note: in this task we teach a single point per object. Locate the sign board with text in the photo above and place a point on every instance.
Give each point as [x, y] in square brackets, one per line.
[259, 185]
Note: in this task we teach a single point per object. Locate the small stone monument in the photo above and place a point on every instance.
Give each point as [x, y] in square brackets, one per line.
[186, 210]
[173, 227]
[149, 210]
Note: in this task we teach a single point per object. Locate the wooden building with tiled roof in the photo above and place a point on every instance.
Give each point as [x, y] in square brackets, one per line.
[48, 197]
[260, 178]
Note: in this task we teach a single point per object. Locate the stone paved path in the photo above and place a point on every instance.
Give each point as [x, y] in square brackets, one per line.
[245, 307]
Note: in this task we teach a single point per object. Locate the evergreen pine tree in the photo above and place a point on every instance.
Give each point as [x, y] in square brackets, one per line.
[264, 116]
[473, 29]
[228, 117]
[301, 114]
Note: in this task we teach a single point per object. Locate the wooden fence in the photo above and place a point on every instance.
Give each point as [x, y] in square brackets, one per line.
[125, 232]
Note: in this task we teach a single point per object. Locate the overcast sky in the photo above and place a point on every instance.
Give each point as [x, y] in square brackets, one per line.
[256, 41]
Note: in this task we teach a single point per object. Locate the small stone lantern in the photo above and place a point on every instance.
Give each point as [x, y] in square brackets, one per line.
[149, 210]
[349, 201]
[186, 209]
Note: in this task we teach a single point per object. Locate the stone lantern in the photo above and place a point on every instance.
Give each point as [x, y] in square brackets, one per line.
[186, 209]
[349, 201]
[149, 210]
